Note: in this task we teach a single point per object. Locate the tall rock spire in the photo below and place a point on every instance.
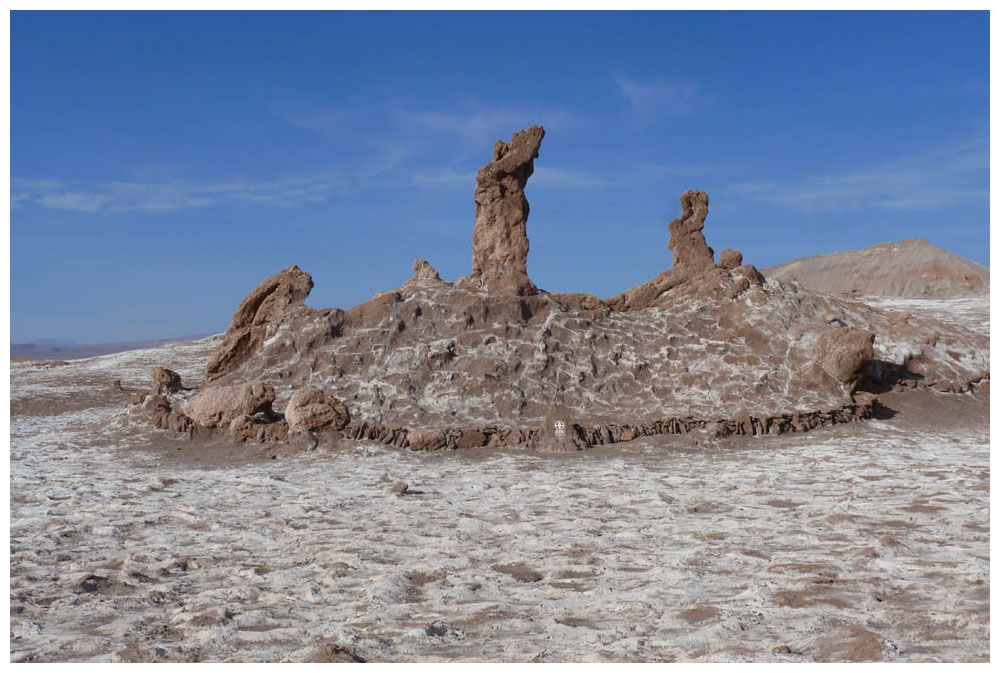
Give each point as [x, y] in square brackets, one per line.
[500, 239]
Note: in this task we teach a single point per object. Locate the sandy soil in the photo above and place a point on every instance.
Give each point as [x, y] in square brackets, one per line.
[866, 542]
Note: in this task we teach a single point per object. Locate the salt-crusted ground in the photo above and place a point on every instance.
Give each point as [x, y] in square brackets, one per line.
[867, 541]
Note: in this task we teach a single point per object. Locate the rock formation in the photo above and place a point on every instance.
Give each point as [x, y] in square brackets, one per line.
[706, 348]
[687, 242]
[422, 270]
[500, 238]
[263, 307]
[730, 259]
[693, 262]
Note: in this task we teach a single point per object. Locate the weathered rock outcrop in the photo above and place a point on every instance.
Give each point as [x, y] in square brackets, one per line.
[313, 409]
[687, 242]
[493, 361]
[694, 262]
[218, 405]
[263, 307]
[500, 239]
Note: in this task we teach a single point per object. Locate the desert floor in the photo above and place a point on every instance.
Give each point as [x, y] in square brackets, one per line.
[861, 542]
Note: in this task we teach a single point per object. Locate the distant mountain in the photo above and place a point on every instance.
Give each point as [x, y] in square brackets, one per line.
[911, 268]
[58, 349]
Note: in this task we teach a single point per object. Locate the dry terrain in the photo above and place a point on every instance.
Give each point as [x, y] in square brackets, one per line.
[866, 541]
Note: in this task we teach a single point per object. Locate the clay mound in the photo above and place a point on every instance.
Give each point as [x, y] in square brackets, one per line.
[911, 268]
[493, 360]
[437, 355]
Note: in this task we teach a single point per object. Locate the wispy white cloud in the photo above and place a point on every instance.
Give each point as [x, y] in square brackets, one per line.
[567, 178]
[648, 98]
[949, 176]
[478, 123]
[444, 176]
[444, 130]
[545, 177]
[122, 196]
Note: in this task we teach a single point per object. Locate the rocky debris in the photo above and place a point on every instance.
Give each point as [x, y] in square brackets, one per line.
[217, 406]
[693, 263]
[262, 308]
[311, 408]
[165, 380]
[422, 270]
[500, 238]
[578, 436]
[844, 352]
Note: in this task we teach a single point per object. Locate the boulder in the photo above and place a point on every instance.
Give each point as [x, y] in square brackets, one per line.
[314, 409]
[165, 380]
[426, 440]
[844, 353]
[730, 259]
[217, 406]
[500, 238]
[265, 306]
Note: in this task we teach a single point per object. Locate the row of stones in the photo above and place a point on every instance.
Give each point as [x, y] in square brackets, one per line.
[581, 436]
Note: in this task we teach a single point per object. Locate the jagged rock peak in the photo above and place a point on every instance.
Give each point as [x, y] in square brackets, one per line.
[500, 239]
[265, 305]
[422, 270]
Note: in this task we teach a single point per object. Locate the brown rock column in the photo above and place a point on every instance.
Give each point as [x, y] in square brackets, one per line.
[500, 239]
[691, 251]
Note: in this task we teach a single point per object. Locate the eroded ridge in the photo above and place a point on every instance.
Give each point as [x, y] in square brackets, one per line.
[491, 359]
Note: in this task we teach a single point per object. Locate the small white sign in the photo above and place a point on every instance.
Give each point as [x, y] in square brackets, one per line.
[560, 427]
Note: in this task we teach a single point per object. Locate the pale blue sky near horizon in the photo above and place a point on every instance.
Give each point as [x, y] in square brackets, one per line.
[164, 163]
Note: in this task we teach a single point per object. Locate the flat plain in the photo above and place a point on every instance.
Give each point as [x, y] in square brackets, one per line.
[866, 541]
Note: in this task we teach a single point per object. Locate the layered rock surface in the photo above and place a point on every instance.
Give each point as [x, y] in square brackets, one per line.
[491, 360]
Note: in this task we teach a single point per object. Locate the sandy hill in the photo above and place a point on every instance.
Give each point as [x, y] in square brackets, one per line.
[911, 268]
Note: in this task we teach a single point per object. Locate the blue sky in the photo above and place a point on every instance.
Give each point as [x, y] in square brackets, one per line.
[162, 164]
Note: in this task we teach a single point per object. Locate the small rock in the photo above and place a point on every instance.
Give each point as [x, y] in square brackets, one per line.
[520, 572]
[399, 488]
[165, 380]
